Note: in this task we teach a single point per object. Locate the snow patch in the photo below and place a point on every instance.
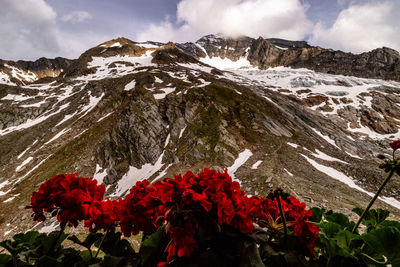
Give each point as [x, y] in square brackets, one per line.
[15, 97]
[242, 158]
[23, 152]
[162, 173]
[288, 172]
[163, 95]
[327, 138]
[9, 231]
[323, 156]
[167, 140]
[134, 175]
[255, 165]
[57, 136]
[148, 45]
[117, 44]
[105, 116]
[100, 174]
[104, 69]
[23, 164]
[130, 86]
[181, 132]
[353, 155]
[226, 63]
[158, 80]
[293, 145]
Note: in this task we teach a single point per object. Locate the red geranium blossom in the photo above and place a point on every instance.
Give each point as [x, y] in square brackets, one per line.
[69, 195]
[140, 209]
[103, 215]
[395, 145]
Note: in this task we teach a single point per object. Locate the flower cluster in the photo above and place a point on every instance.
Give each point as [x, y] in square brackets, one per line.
[266, 213]
[73, 199]
[184, 204]
[140, 210]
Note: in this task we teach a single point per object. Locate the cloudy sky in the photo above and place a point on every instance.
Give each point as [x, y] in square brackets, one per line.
[30, 29]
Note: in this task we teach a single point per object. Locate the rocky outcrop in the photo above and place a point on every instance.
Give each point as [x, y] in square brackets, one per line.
[22, 72]
[264, 54]
[219, 46]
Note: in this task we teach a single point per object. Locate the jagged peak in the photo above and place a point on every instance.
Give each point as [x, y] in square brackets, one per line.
[215, 38]
[117, 42]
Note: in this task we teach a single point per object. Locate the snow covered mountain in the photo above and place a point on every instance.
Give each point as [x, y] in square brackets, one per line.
[274, 112]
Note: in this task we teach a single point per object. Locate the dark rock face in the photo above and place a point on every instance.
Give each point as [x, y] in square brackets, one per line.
[218, 46]
[264, 54]
[380, 63]
[288, 44]
[43, 66]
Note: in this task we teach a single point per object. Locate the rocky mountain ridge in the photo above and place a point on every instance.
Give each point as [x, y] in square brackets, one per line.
[380, 63]
[125, 111]
[24, 72]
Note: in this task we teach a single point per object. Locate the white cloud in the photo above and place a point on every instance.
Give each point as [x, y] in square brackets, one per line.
[76, 16]
[360, 28]
[30, 26]
[268, 18]
[165, 32]
[29, 31]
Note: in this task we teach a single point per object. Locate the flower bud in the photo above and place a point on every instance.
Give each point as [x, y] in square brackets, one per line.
[395, 145]
[380, 156]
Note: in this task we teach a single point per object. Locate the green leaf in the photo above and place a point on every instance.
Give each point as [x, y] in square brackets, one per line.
[28, 237]
[86, 255]
[329, 229]
[47, 261]
[388, 223]
[50, 242]
[344, 238]
[91, 239]
[153, 247]
[317, 214]
[250, 256]
[339, 219]
[8, 245]
[385, 241]
[115, 246]
[373, 218]
[259, 235]
[5, 259]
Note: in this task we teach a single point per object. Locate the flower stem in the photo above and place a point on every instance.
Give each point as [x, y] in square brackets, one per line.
[282, 215]
[101, 243]
[63, 225]
[373, 200]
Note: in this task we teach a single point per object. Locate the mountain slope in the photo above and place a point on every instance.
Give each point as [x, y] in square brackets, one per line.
[126, 111]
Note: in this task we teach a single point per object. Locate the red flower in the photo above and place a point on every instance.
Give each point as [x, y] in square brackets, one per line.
[395, 145]
[70, 196]
[380, 156]
[182, 241]
[103, 215]
[140, 210]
